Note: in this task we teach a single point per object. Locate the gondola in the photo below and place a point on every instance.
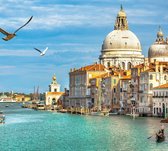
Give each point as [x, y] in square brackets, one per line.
[160, 138]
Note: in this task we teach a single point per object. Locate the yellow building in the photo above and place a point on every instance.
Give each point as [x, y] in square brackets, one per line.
[97, 91]
[21, 98]
[79, 84]
[155, 75]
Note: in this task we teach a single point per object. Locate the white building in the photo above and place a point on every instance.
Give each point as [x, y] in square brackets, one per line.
[160, 100]
[54, 96]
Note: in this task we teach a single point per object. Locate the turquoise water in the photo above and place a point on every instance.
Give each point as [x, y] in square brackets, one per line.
[29, 130]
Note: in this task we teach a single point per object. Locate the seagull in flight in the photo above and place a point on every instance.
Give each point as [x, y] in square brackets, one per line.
[42, 53]
[11, 35]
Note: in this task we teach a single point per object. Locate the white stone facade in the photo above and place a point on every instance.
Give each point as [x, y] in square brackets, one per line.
[121, 47]
[160, 101]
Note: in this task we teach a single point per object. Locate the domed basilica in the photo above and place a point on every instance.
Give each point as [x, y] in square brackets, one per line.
[121, 47]
[159, 50]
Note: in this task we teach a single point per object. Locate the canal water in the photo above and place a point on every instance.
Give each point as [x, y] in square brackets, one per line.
[30, 130]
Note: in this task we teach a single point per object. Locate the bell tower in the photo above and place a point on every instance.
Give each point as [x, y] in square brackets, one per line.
[54, 86]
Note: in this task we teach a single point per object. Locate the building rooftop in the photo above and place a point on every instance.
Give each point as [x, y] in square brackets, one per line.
[163, 86]
[93, 67]
[128, 77]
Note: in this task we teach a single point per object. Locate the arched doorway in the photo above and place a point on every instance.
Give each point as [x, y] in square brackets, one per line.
[53, 101]
[123, 65]
[129, 65]
[163, 110]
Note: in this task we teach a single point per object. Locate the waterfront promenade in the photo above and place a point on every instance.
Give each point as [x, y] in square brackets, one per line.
[30, 130]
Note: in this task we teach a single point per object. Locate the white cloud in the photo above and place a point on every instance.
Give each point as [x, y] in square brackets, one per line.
[6, 67]
[7, 70]
[53, 16]
[17, 52]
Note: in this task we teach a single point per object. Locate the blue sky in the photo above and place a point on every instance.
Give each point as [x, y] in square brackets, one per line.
[73, 30]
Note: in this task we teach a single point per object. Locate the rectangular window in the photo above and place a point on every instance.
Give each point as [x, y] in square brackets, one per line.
[114, 90]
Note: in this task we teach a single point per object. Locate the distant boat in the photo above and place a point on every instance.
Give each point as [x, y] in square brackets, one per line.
[23, 105]
[2, 118]
[133, 115]
[99, 113]
[8, 99]
[40, 106]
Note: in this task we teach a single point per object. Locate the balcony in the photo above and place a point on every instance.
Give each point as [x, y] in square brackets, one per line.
[160, 96]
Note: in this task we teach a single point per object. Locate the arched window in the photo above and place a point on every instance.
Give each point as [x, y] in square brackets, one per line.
[129, 65]
[123, 65]
[165, 77]
[151, 77]
[53, 101]
[151, 86]
[108, 64]
[125, 44]
[119, 66]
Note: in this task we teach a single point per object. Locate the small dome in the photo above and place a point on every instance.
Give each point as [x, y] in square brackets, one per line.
[158, 51]
[160, 48]
[54, 78]
[160, 34]
[121, 39]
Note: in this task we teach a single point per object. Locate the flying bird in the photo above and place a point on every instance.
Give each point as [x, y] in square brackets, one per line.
[42, 53]
[11, 35]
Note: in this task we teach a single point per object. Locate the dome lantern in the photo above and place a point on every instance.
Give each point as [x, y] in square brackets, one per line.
[121, 20]
[160, 38]
[54, 79]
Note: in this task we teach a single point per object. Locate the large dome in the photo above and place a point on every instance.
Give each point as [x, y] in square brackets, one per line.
[121, 40]
[158, 50]
[121, 47]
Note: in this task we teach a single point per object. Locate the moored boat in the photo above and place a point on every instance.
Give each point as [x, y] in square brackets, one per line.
[40, 106]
